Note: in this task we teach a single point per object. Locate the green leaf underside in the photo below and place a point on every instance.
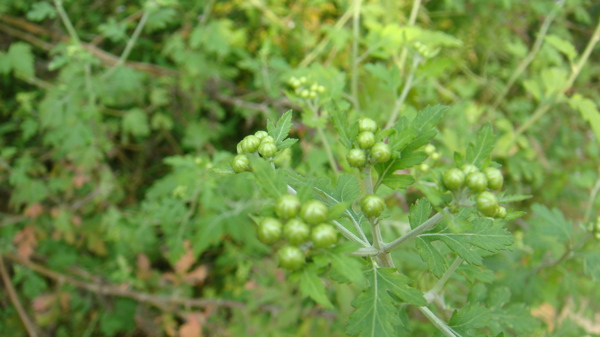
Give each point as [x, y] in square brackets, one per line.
[377, 311]
[280, 130]
[432, 256]
[312, 286]
[479, 150]
[485, 237]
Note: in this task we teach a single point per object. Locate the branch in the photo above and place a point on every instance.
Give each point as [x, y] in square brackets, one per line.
[12, 294]
[425, 226]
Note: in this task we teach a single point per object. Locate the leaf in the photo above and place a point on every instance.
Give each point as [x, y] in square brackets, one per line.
[404, 135]
[563, 46]
[432, 256]
[591, 265]
[267, 177]
[312, 286]
[346, 133]
[347, 189]
[398, 181]
[514, 198]
[280, 130]
[41, 10]
[349, 267]
[135, 122]
[21, 59]
[485, 237]
[287, 143]
[428, 118]
[589, 111]
[471, 316]
[419, 212]
[480, 150]
[553, 223]
[376, 310]
[159, 19]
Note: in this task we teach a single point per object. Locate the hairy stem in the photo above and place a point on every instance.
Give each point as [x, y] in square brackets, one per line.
[405, 90]
[65, 19]
[411, 22]
[429, 296]
[425, 226]
[441, 325]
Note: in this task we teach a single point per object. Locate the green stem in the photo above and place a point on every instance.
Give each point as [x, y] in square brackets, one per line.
[546, 104]
[411, 22]
[355, 37]
[530, 57]
[130, 43]
[400, 101]
[319, 48]
[327, 150]
[441, 325]
[65, 19]
[593, 194]
[425, 226]
[442, 281]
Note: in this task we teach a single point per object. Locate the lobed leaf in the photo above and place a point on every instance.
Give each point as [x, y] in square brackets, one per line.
[482, 147]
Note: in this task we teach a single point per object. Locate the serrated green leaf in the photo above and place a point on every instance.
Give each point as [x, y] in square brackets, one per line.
[432, 256]
[398, 181]
[563, 46]
[424, 137]
[376, 312]
[588, 110]
[21, 59]
[471, 316]
[404, 136]
[135, 122]
[312, 286]
[267, 177]
[419, 212]
[479, 150]
[516, 318]
[347, 189]
[287, 143]
[552, 223]
[591, 265]
[349, 267]
[428, 118]
[280, 130]
[41, 10]
[345, 132]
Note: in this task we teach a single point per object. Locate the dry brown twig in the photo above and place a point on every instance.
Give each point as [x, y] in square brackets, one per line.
[14, 298]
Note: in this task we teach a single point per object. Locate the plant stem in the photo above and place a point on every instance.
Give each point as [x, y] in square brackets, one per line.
[319, 48]
[65, 19]
[592, 198]
[530, 57]
[405, 90]
[327, 150]
[442, 281]
[441, 325]
[130, 44]
[355, 37]
[411, 22]
[425, 226]
[14, 298]
[546, 104]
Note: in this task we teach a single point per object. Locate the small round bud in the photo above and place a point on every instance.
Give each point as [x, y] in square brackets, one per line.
[372, 205]
[429, 149]
[435, 156]
[304, 93]
[357, 158]
[267, 139]
[500, 213]
[424, 167]
[269, 230]
[487, 203]
[287, 206]
[366, 124]
[323, 236]
[290, 257]
[494, 177]
[476, 181]
[296, 231]
[313, 212]
[365, 139]
[261, 134]
[469, 168]
[267, 150]
[381, 152]
[250, 144]
[453, 179]
[240, 163]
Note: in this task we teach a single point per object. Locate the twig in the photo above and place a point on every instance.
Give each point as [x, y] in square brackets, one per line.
[130, 44]
[319, 48]
[411, 22]
[404, 94]
[430, 295]
[425, 226]
[65, 19]
[12, 294]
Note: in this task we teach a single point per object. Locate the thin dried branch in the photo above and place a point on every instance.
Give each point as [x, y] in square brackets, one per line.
[14, 298]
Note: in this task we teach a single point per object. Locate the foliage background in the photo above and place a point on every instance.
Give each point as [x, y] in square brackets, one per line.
[113, 222]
